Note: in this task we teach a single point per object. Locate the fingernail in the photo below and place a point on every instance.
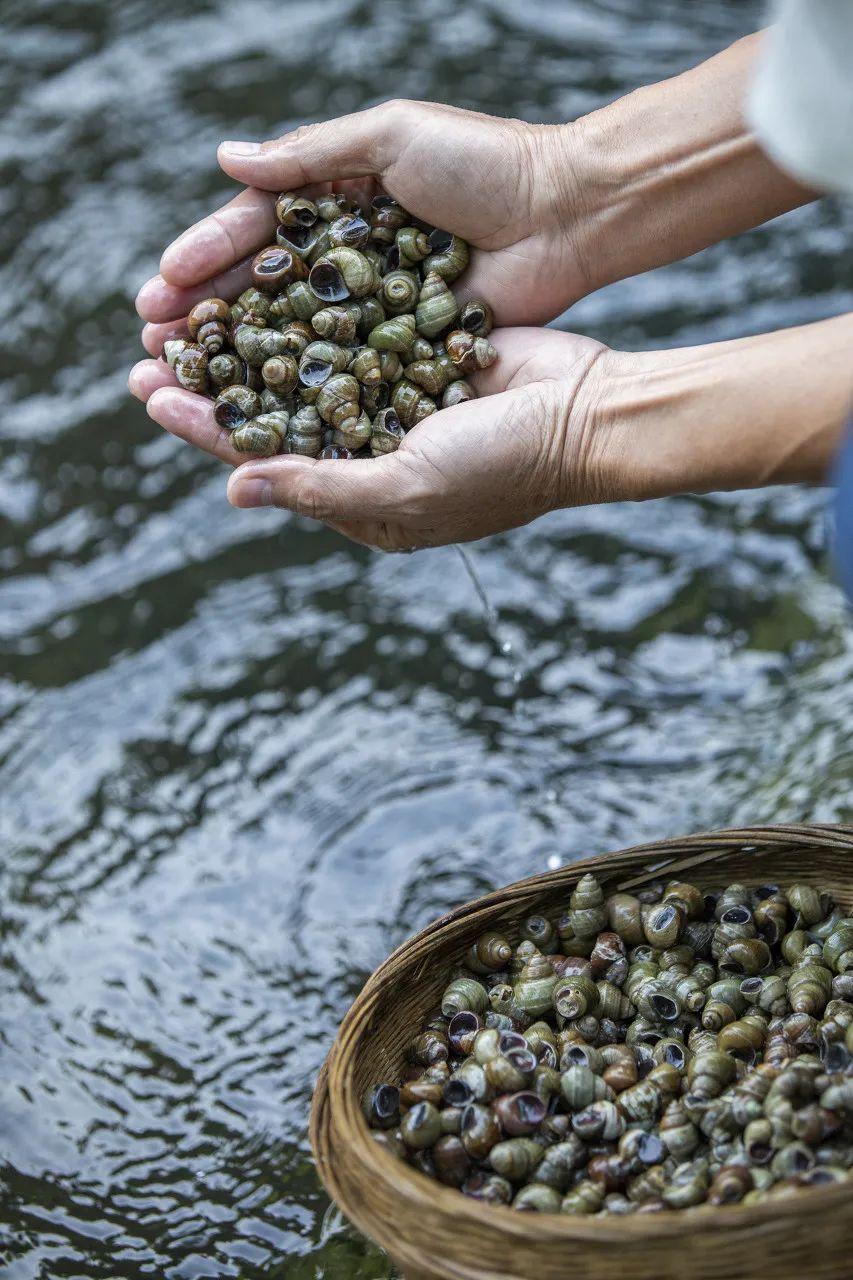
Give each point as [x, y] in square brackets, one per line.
[252, 491]
[241, 148]
[148, 291]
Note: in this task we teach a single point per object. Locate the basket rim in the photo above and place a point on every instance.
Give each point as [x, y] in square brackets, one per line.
[340, 1135]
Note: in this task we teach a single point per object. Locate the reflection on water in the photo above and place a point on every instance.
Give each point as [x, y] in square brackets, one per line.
[240, 759]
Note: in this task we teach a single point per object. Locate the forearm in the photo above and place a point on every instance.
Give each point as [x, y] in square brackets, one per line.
[670, 169]
[732, 415]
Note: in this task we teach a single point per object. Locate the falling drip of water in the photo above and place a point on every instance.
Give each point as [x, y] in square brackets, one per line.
[490, 613]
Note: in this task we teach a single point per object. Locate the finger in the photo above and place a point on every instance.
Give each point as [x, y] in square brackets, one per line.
[379, 489]
[190, 417]
[154, 335]
[149, 376]
[238, 229]
[518, 351]
[354, 146]
[159, 301]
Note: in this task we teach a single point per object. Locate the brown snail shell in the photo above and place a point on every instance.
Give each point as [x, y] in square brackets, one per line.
[457, 393]
[207, 323]
[350, 230]
[190, 367]
[291, 209]
[386, 219]
[337, 323]
[276, 267]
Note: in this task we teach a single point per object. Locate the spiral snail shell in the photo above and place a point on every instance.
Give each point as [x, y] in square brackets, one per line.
[263, 435]
[208, 324]
[342, 273]
[292, 209]
[235, 405]
[276, 267]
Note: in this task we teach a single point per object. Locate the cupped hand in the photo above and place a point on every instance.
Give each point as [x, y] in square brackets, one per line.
[503, 185]
[534, 442]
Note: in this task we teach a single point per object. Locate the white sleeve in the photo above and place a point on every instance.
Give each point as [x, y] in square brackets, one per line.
[801, 104]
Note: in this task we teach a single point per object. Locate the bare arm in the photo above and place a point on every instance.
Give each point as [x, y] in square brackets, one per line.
[669, 169]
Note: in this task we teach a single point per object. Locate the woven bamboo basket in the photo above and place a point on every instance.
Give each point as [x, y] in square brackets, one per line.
[433, 1232]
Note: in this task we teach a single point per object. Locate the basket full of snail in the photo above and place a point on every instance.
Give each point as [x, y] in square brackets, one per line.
[637, 1065]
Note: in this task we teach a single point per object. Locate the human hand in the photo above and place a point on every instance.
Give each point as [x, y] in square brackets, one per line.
[502, 185]
[536, 441]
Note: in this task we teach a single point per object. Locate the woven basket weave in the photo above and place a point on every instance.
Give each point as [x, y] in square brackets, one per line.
[435, 1233]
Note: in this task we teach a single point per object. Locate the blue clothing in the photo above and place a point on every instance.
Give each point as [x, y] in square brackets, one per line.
[844, 516]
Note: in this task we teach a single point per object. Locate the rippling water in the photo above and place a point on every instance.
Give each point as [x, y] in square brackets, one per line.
[242, 759]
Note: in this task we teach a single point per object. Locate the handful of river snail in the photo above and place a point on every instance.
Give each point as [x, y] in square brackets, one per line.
[640, 1053]
[350, 315]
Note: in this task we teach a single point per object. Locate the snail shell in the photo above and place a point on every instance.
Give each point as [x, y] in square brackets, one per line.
[319, 361]
[337, 323]
[372, 314]
[190, 367]
[263, 435]
[429, 375]
[386, 435]
[257, 345]
[437, 308]
[342, 273]
[399, 292]
[235, 405]
[457, 393]
[351, 230]
[305, 432]
[386, 219]
[207, 323]
[276, 267]
[449, 256]
[364, 365]
[412, 246]
[337, 402]
[477, 317]
[354, 433]
[272, 401]
[412, 403]
[332, 205]
[225, 369]
[305, 242]
[469, 353]
[292, 210]
[250, 300]
[304, 303]
[280, 373]
[375, 397]
[395, 334]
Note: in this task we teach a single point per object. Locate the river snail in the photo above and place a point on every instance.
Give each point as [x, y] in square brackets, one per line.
[597, 1061]
[360, 293]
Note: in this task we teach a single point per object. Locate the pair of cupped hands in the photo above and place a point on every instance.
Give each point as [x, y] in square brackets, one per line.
[533, 442]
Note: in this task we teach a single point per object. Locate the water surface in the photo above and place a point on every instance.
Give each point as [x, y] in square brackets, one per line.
[240, 759]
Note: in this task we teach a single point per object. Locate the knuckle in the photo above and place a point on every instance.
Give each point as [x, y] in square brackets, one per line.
[310, 499]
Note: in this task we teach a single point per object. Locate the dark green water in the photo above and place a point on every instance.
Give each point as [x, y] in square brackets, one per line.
[240, 759]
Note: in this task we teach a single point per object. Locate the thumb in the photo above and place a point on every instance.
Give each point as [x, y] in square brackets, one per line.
[329, 490]
[354, 146]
